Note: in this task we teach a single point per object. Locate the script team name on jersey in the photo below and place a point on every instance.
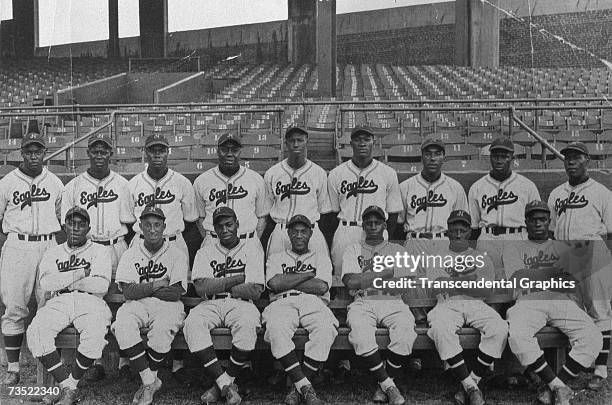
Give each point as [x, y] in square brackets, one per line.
[99, 197]
[230, 193]
[432, 199]
[151, 270]
[296, 187]
[299, 267]
[229, 267]
[541, 259]
[366, 264]
[361, 186]
[72, 264]
[158, 197]
[34, 194]
[501, 198]
[573, 201]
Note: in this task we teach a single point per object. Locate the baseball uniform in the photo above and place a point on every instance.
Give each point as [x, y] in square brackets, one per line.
[351, 190]
[109, 205]
[174, 194]
[296, 191]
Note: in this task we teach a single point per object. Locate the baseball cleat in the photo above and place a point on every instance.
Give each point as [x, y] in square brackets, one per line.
[68, 396]
[148, 392]
[211, 395]
[544, 395]
[379, 395]
[11, 378]
[230, 393]
[293, 396]
[310, 395]
[475, 396]
[460, 397]
[563, 395]
[395, 396]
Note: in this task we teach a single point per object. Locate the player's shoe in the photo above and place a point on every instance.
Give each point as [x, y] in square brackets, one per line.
[11, 378]
[544, 395]
[563, 395]
[96, 373]
[148, 392]
[310, 395]
[596, 382]
[394, 396]
[475, 396]
[211, 395]
[293, 396]
[50, 399]
[460, 397]
[231, 395]
[379, 395]
[68, 396]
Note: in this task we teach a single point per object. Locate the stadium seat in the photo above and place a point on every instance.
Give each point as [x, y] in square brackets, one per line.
[181, 141]
[259, 153]
[451, 137]
[575, 136]
[347, 153]
[401, 139]
[403, 153]
[6, 169]
[178, 153]
[130, 140]
[461, 151]
[7, 145]
[259, 165]
[480, 139]
[193, 167]
[526, 164]
[262, 139]
[127, 154]
[463, 165]
[404, 167]
[211, 139]
[132, 168]
[207, 153]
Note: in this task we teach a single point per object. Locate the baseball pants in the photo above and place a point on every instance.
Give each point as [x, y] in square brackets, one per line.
[283, 316]
[493, 245]
[163, 318]
[595, 292]
[532, 313]
[241, 317]
[364, 315]
[279, 241]
[18, 279]
[86, 312]
[450, 315]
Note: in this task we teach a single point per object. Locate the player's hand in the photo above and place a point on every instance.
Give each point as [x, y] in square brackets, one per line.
[166, 294]
[248, 291]
[164, 282]
[87, 271]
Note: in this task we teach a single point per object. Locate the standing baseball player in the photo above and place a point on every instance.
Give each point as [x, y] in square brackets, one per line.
[30, 198]
[375, 306]
[497, 203]
[356, 184]
[152, 277]
[540, 258]
[581, 211]
[458, 307]
[234, 186]
[77, 273]
[296, 186]
[299, 280]
[231, 272]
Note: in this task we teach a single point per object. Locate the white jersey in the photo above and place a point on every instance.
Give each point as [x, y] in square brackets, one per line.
[29, 205]
[138, 265]
[244, 192]
[352, 190]
[501, 203]
[107, 201]
[172, 193]
[289, 262]
[246, 258]
[527, 254]
[300, 191]
[583, 212]
[427, 206]
[62, 259]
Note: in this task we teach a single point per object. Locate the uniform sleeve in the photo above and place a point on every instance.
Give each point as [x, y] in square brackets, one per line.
[3, 196]
[47, 267]
[58, 199]
[180, 269]
[350, 260]
[201, 266]
[125, 270]
[102, 265]
[394, 200]
[473, 206]
[323, 200]
[273, 266]
[324, 269]
[67, 199]
[262, 203]
[200, 200]
[403, 188]
[553, 212]
[332, 190]
[126, 205]
[461, 199]
[606, 213]
[188, 203]
[255, 264]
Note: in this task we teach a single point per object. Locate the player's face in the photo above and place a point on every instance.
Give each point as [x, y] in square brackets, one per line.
[99, 155]
[33, 155]
[501, 161]
[299, 235]
[576, 163]
[296, 143]
[157, 156]
[152, 229]
[432, 158]
[226, 229]
[362, 145]
[537, 225]
[76, 230]
[374, 226]
[459, 235]
[229, 155]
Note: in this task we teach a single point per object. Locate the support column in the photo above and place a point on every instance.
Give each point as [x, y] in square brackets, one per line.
[476, 33]
[113, 29]
[301, 31]
[326, 47]
[153, 16]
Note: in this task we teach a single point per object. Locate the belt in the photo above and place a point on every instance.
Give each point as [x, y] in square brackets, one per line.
[227, 295]
[285, 225]
[63, 291]
[170, 238]
[427, 235]
[107, 242]
[243, 236]
[290, 294]
[34, 238]
[350, 223]
[501, 230]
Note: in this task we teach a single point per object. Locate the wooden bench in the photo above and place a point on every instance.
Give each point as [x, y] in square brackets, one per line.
[550, 339]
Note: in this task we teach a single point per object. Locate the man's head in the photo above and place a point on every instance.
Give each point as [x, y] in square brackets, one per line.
[576, 160]
[459, 229]
[433, 153]
[502, 155]
[296, 140]
[373, 222]
[229, 147]
[100, 151]
[226, 225]
[537, 220]
[153, 224]
[362, 142]
[33, 149]
[156, 150]
[76, 226]
[299, 229]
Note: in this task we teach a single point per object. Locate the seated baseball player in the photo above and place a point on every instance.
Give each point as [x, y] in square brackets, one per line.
[374, 306]
[77, 274]
[458, 307]
[541, 259]
[152, 277]
[230, 270]
[299, 280]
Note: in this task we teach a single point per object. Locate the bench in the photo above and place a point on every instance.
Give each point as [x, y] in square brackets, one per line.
[550, 339]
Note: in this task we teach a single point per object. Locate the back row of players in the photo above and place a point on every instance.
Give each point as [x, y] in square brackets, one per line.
[30, 197]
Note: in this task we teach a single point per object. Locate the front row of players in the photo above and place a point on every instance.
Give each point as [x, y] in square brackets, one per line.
[153, 277]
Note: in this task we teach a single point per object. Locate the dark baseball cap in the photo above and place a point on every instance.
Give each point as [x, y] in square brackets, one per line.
[33, 137]
[105, 138]
[299, 219]
[156, 139]
[373, 209]
[459, 216]
[536, 205]
[502, 143]
[297, 129]
[433, 141]
[223, 212]
[361, 130]
[577, 146]
[76, 210]
[229, 137]
[153, 211]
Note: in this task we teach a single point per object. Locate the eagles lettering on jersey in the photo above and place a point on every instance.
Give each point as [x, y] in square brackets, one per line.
[573, 201]
[151, 270]
[229, 193]
[361, 186]
[431, 200]
[502, 198]
[33, 195]
[542, 259]
[299, 267]
[366, 264]
[99, 197]
[72, 264]
[295, 188]
[228, 268]
[159, 197]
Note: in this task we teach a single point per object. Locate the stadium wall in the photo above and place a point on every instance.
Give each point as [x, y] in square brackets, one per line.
[141, 86]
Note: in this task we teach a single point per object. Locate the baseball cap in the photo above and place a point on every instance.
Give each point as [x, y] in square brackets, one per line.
[502, 143]
[154, 211]
[361, 130]
[577, 146]
[536, 205]
[33, 137]
[459, 216]
[373, 209]
[76, 210]
[295, 128]
[223, 212]
[433, 141]
[299, 219]
[101, 137]
[229, 137]
[156, 139]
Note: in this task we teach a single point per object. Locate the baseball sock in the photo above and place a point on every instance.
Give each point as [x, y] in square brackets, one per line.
[483, 364]
[82, 363]
[310, 368]
[237, 360]
[460, 371]
[12, 346]
[53, 363]
[137, 356]
[293, 369]
[601, 362]
[208, 357]
[543, 370]
[570, 370]
[155, 360]
[375, 364]
[394, 364]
